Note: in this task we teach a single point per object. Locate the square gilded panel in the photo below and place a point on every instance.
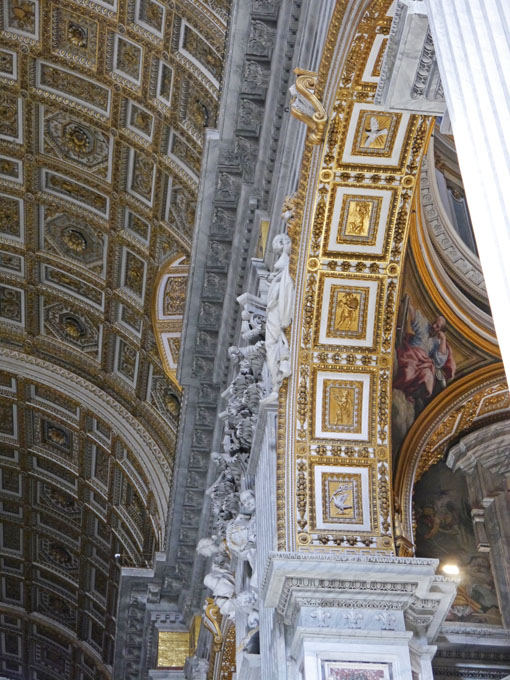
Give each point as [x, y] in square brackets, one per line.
[11, 118]
[150, 14]
[359, 221]
[11, 169]
[76, 192]
[74, 36]
[348, 312]
[342, 406]
[139, 120]
[141, 176]
[200, 53]
[375, 133]
[127, 59]
[126, 361]
[21, 17]
[184, 155]
[8, 419]
[130, 319]
[12, 305]
[11, 217]
[137, 226]
[133, 273]
[372, 70]
[11, 263]
[76, 88]
[342, 497]
[172, 345]
[164, 85]
[375, 136]
[8, 64]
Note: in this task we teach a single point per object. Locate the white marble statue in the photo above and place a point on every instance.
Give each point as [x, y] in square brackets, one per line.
[220, 581]
[280, 303]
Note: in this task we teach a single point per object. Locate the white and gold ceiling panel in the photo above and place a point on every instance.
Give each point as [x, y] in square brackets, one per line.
[103, 106]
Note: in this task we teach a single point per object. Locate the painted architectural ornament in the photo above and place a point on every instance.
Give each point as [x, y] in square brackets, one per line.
[280, 303]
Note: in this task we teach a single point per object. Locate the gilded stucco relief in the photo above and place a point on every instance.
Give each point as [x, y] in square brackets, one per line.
[335, 452]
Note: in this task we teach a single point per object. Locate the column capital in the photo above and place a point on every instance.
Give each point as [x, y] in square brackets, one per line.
[333, 591]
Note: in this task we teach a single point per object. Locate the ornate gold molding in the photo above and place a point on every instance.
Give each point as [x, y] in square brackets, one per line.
[212, 621]
[464, 405]
[350, 224]
[167, 306]
[225, 663]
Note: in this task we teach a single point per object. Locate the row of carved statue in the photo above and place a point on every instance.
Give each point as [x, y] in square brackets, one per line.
[260, 366]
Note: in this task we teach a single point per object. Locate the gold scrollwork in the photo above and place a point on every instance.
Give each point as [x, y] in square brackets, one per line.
[306, 107]
[212, 621]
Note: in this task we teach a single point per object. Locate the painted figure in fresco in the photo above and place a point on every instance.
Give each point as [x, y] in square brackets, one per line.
[444, 530]
[425, 360]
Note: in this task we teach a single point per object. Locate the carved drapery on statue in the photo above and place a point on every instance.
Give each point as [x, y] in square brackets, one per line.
[280, 303]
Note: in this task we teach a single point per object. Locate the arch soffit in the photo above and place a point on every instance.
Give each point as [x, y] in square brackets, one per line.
[346, 170]
[463, 406]
[151, 458]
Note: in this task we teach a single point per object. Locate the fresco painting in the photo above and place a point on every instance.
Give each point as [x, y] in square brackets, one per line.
[429, 354]
[444, 530]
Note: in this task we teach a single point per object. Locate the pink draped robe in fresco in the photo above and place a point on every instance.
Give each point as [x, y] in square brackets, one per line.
[420, 361]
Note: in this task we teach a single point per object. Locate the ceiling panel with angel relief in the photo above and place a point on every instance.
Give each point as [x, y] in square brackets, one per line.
[103, 105]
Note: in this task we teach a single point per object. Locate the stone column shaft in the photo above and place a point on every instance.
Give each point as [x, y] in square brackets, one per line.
[472, 43]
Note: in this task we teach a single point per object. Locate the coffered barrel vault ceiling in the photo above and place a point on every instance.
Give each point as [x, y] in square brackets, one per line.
[103, 105]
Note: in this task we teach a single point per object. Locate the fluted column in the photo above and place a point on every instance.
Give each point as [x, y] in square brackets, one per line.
[472, 43]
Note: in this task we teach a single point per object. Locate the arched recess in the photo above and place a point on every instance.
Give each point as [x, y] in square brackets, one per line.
[464, 406]
[349, 234]
[168, 303]
[451, 303]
